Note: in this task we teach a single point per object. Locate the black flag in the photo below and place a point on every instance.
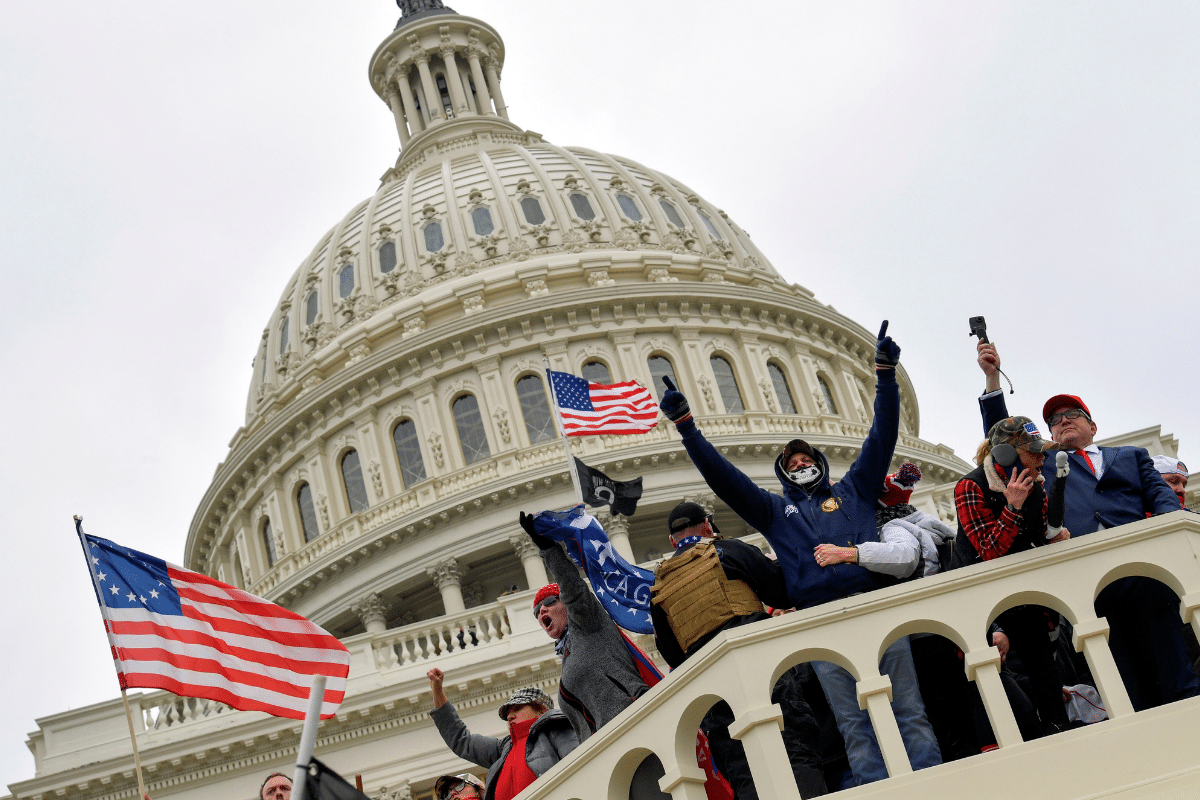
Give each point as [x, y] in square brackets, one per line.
[600, 490]
[325, 784]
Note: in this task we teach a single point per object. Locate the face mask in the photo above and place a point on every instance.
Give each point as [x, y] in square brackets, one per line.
[804, 475]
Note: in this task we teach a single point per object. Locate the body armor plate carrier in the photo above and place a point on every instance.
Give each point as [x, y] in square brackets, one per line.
[697, 598]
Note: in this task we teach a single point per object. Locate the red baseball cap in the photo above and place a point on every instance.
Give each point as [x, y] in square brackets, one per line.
[1063, 401]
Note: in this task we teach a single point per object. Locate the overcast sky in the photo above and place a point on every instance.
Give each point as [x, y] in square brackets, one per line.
[165, 167]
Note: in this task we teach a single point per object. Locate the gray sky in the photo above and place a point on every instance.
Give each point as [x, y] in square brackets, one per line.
[165, 167]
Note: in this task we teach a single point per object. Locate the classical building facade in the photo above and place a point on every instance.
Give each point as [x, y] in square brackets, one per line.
[398, 420]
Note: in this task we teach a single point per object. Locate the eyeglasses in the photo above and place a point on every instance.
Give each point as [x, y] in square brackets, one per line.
[1071, 413]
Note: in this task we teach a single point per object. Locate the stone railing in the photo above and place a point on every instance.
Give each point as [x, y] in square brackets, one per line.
[740, 666]
[427, 640]
[163, 710]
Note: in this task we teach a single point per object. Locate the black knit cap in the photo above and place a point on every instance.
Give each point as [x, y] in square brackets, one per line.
[798, 446]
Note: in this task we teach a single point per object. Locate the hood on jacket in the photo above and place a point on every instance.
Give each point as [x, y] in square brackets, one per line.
[790, 486]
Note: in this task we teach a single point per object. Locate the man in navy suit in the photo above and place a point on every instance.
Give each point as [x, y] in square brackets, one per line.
[1107, 487]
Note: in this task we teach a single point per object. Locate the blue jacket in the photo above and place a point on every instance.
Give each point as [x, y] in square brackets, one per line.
[795, 523]
[1128, 488]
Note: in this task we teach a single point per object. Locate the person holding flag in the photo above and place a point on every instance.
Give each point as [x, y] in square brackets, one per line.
[811, 511]
[599, 675]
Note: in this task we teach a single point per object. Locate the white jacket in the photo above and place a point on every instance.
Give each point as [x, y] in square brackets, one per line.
[906, 544]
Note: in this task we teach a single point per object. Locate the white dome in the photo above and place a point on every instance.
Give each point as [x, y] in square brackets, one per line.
[354, 492]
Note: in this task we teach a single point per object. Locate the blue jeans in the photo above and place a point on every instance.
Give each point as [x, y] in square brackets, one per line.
[854, 723]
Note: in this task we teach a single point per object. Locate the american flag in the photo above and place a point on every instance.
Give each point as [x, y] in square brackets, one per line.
[590, 408]
[174, 629]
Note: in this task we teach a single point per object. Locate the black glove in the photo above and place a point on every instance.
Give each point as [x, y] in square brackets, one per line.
[674, 405]
[887, 352]
[542, 542]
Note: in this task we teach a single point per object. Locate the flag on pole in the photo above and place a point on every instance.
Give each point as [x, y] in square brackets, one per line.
[600, 490]
[622, 588]
[174, 629]
[587, 409]
[322, 783]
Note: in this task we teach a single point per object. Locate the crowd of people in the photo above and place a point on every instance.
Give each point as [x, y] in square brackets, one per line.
[836, 538]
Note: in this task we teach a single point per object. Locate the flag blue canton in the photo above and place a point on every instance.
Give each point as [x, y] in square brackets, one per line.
[126, 578]
[571, 391]
[622, 588]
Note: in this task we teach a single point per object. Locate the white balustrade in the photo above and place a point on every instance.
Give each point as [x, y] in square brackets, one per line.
[163, 710]
[432, 638]
[741, 666]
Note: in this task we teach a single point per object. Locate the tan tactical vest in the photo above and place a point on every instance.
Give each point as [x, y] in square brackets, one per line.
[697, 598]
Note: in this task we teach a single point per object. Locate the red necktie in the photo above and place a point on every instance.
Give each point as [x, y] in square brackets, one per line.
[1087, 460]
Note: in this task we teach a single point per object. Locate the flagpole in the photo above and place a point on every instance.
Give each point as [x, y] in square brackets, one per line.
[563, 434]
[308, 739]
[137, 758]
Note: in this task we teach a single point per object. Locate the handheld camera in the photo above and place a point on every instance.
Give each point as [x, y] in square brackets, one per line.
[978, 328]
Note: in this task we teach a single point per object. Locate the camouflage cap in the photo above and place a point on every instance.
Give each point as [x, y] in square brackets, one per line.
[1019, 432]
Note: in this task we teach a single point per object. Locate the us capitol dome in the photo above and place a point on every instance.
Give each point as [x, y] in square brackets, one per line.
[398, 417]
[398, 420]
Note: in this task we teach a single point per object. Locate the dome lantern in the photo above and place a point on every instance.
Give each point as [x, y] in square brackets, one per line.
[439, 73]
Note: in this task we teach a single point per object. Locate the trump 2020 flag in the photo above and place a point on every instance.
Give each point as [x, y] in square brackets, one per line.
[600, 490]
[622, 588]
[174, 629]
[587, 408]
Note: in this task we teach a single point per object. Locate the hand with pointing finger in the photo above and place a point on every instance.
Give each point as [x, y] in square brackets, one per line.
[887, 352]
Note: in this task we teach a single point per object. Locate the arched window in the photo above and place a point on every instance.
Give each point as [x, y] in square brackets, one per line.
[660, 366]
[308, 514]
[708, 223]
[539, 424]
[433, 237]
[481, 218]
[283, 336]
[346, 280]
[827, 393]
[387, 257]
[727, 385]
[471, 434]
[310, 308]
[269, 543]
[352, 478]
[783, 392]
[672, 214]
[408, 452]
[596, 372]
[582, 206]
[533, 210]
[629, 208]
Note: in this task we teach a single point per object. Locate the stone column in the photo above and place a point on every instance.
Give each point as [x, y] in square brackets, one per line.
[410, 102]
[761, 731]
[1091, 638]
[433, 98]
[447, 577]
[617, 528]
[531, 560]
[983, 667]
[393, 101]
[875, 695]
[482, 97]
[453, 79]
[370, 611]
[493, 84]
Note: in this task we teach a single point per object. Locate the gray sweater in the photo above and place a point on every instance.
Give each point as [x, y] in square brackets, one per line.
[599, 678]
[550, 738]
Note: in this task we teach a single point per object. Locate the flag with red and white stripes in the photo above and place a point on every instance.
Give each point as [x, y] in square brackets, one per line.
[588, 408]
[174, 629]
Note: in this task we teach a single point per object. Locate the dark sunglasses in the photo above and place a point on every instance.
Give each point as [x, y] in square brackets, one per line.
[549, 601]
